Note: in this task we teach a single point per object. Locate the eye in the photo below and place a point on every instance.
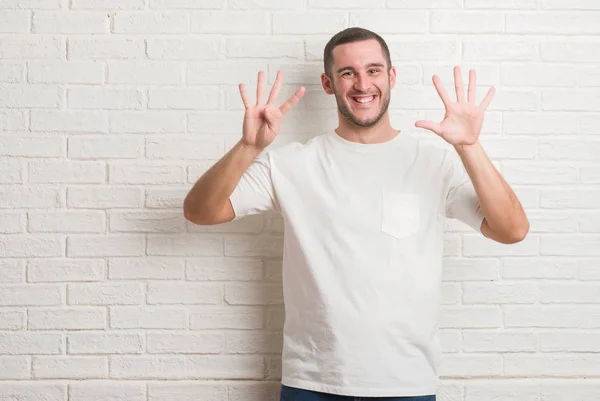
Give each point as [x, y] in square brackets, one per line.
[347, 73]
[374, 71]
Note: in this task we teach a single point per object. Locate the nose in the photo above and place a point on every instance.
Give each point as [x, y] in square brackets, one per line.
[361, 83]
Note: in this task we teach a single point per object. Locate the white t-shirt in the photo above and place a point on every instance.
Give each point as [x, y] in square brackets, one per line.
[362, 258]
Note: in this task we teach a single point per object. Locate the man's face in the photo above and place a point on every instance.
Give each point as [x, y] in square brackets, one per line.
[360, 82]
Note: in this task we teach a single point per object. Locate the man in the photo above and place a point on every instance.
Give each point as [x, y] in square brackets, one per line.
[364, 210]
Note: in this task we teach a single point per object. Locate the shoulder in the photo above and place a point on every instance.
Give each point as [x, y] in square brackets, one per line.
[295, 149]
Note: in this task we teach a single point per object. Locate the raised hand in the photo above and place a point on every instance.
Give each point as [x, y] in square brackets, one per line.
[262, 121]
[463, 119]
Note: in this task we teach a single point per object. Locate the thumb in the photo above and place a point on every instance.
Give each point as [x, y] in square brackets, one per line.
[429, 125]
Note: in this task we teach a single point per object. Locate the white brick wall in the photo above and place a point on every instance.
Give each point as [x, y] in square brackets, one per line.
[111, 109]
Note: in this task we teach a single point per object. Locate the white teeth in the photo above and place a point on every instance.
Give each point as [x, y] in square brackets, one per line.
[365, 99]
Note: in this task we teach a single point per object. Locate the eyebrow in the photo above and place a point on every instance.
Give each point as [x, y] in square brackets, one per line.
[368, 65]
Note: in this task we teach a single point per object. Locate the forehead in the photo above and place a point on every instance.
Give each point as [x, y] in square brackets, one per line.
[358, 53]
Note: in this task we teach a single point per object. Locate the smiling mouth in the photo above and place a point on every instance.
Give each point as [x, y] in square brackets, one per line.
[363, 100]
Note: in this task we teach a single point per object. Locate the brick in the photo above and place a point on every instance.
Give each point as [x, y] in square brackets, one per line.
[106, 390]
[31, 343]
[253, 294]
[105, 48]
[510, 148]
[155, 173]
[275, 318]
[154, 22]
[517, 49]
[571, 100]
[184, 148]
[470, 317]
[481, 246]
[261, 4]
[590, 175]
[14, 368]
[230, 22]
[62, 270]
[69, 121]
[571, 51]
[552, 316]
[254, 391]
[304, 23]
[553, 22]
[486, 74]
[569, 5]
[104, 197]
[28, 197]
[349, 4]
[541, 123]
[186, 391]
[185, 245]
[11, 272]
[15, 246]
[107, 4]
[466, 22]
[224, 72]
[500, 293]
[538, 268]
[65, 72]
[105, 294]
[196, 343]
[67, 222]
[33, 391]
[570, 245]
[31, 47]
[11, 172]
[570, 293]
[104, 98]
[539, 173]
[165, 198]
[13, 120]
[209, 48]
[254, 246]
[209, 269]
[588, 77]
[557, 390]
[69, 367]
[14, 21]
[552, 222]
[187, 4]
[187, 367]
[72, 172]
[230, 317]
[507, 389]
[186, 294]
[105, 245]
[105, 147]
[569, 342]
[129, 317]
[246, 342]
[502, 4]
[538, 75]
[147, 122]
[499, 341]
[12, 72]
[30, 96]
[12, 320]
[67, 22]
[137, 73]
[551, 365]
[563, 149]
[203, 98]
[513, 100]
[146, 269]
[266, 47]
[227, 122]
[28, 4]
[470, 365]
[67, 319]
[569, 199]
[147, 222]
[104, 343]
[392, 22]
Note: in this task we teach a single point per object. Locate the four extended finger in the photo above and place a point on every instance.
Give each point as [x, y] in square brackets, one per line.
[458, 85]
[472, 87]
[244, 94]
[260, 88]
[291, 102]
[276, 87]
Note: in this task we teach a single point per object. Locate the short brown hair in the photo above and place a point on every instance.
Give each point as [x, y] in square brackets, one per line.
[350, 35]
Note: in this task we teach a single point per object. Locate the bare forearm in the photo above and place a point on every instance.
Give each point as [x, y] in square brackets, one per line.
[211, 192]
[501, 207]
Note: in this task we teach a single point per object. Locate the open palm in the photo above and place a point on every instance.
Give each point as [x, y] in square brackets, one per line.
[263, 121]
[463, 119]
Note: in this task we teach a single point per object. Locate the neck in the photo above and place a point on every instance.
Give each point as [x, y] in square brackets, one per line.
[378, 133]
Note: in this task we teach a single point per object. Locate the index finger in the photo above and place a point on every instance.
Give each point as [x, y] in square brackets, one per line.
[291, 102]
[439, 87]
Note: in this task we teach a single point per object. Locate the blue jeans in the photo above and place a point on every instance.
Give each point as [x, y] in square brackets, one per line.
[296, 394]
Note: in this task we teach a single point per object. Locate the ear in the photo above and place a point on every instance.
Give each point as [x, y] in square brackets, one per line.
[326, 83]
[392, 77]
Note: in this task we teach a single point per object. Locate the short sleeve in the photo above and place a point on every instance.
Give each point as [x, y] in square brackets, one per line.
[462, 202]
[254, 193]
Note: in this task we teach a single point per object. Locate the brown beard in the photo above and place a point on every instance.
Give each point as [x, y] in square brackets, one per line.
[348, 116]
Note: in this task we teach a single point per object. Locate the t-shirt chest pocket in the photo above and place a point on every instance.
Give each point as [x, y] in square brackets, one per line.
[400, 213]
